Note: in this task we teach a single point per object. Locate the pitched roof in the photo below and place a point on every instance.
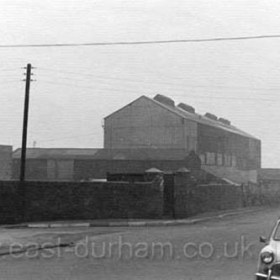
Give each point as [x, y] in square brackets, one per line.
[202, 119]
[191, 116]
[61, 153]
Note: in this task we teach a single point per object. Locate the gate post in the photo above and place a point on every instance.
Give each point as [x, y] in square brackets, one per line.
[181, 196]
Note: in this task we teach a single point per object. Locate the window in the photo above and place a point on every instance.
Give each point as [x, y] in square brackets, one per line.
[233, 161]
[210, 158]
[202, 158]
[227, 159]
[219, 159]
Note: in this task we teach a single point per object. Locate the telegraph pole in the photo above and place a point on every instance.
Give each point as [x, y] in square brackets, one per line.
[25, 122]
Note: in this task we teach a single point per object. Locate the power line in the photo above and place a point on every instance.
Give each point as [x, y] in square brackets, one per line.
[152, 42]
[175, 86]
[8, 69]
[10, 81]
[89, 87]
[85, 75]
[173, 94]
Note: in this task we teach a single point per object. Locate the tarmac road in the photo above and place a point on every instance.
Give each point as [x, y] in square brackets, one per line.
[217, 250]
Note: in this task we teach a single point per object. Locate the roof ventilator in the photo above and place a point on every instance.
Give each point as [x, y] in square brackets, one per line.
[164, 100]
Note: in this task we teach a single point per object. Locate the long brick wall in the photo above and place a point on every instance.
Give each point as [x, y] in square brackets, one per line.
[71, 200]
[40, 201]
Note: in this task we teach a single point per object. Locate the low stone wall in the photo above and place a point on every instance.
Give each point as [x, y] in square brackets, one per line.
[39, 201]
[191, 198]
[264, 193]
[71, 200]
[269, 192]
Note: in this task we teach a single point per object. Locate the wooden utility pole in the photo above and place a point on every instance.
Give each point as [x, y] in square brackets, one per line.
[25, 122]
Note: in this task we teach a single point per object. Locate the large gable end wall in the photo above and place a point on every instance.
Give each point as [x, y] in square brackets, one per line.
[144, 123]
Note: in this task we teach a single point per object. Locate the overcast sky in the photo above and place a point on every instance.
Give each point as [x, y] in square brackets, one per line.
[76, 87]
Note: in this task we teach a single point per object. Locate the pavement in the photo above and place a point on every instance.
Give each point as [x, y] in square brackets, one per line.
[15, 239]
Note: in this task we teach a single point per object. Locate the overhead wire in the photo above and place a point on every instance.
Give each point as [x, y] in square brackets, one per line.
[151, 42]
[10, 81]
[159, 82]
[88, 87]
[183, 86]
[9, 69]
[153, 91]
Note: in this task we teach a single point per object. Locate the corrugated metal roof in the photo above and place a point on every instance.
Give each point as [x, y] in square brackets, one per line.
[190, 116]
[62, 153]
[202, 119]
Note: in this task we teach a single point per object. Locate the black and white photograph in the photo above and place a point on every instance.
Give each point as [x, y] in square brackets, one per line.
[139, 139]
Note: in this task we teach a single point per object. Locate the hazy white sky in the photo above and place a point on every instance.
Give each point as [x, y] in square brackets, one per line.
[77, 87]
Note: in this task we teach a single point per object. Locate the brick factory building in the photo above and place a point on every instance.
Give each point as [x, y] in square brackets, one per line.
[158, 123]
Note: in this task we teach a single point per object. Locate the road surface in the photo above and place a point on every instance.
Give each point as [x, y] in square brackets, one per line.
[217, 250]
